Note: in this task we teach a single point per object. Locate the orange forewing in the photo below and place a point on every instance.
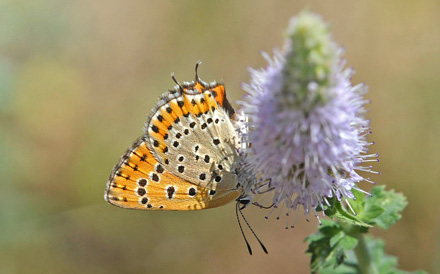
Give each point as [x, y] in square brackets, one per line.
[138, 181]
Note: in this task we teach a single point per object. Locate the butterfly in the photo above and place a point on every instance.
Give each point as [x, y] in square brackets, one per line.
[188, 157]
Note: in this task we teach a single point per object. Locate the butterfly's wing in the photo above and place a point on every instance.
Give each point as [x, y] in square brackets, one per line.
[186, 159]
[191, 133]
[139, 181]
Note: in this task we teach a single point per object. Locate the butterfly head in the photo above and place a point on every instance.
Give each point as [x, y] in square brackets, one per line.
[245, 199]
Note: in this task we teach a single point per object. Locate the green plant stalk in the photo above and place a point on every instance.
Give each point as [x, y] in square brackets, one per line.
[363, 256]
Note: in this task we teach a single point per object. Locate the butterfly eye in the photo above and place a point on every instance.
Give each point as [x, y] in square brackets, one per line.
[245, 200]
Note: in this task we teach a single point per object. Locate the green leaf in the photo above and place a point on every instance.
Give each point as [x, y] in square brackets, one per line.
[371, 212]
[348, 218]
[336, 238]
[328, 246]
[348, 242]
[391, 202]
[358, 202]
[331, 247]
[330, 211]
[382, 209]
[385, 264]
[331, 229]
[365, 212]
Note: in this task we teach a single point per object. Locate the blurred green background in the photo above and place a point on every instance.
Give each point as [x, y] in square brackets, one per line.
[78, 78]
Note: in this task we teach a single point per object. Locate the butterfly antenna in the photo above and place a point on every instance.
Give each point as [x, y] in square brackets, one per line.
[255, 235]
[175, 81]
[241, 229]
[197, 71]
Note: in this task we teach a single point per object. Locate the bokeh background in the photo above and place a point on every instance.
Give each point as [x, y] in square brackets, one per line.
[78, 78]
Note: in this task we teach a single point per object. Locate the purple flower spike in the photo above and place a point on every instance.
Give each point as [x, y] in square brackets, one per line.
[306, 121]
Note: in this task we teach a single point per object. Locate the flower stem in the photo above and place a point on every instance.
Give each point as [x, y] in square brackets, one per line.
[363, 255]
